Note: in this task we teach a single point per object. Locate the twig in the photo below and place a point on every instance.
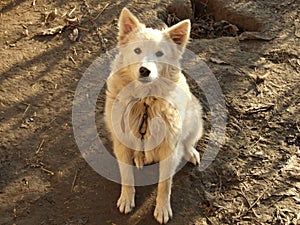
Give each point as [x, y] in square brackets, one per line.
[255, 143]
[253, 204]
[47, 171]
[83, 28]
[140, 2]
[40, 146]
[74, 51]
[264, 108]
[73, 60]
[211, 222]
[297, 126]
[245, 197]
[70, 13]
[196, 35]
[107, 4]
[220, 185]
[257, 200]
[74, 180]
[28, 106]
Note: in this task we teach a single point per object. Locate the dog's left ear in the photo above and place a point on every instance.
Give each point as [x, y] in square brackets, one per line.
[127, 22]
[180, 32]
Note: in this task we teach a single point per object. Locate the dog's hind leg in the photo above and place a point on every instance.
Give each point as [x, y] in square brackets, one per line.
[126, 200]
[192, 155]
[193, 126]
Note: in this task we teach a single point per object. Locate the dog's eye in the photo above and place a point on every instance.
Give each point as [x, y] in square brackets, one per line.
[159, 53]
[138, 51]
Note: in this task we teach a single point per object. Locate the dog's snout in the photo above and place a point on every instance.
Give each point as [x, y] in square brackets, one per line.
[144, 72]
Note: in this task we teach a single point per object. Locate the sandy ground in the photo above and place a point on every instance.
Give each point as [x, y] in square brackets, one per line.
[253, 180]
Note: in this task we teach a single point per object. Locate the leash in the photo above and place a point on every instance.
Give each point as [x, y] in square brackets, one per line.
[144, 125]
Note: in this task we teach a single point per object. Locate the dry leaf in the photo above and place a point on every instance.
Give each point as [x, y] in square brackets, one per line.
[292, 169]
[51, 31]
[249, 35]
[25, 125]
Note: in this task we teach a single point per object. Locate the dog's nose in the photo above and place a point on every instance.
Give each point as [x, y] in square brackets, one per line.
[144, 72]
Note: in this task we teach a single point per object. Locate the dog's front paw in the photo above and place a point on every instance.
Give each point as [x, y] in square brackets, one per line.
[125, 204]
[193, 156]
[139, 160]
[163, 213]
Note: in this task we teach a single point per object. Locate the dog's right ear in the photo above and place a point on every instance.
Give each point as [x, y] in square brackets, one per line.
[127, 23]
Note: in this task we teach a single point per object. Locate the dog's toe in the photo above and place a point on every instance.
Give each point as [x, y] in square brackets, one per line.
[139, 161]
[163, 213]
[125, 205]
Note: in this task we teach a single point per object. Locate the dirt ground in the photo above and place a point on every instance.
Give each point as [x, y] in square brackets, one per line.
[255, 178]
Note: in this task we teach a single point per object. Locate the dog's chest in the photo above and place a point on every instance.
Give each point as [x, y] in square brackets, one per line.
[157, 136]
[149, 108]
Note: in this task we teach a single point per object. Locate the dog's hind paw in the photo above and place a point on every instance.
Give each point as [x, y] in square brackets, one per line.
[163, 213]
[193, 156]
[125, 205]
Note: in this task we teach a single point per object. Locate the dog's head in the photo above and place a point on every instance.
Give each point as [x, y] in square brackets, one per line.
[148, 53]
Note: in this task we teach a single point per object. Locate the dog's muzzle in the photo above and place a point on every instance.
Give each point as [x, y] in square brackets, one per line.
[148, 72]
[144, 75]
[144, 72]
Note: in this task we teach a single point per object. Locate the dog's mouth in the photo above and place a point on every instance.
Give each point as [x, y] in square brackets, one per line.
[145, 80]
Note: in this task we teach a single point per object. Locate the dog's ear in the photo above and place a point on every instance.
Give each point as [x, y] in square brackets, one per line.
[127, 22]
[180, 32]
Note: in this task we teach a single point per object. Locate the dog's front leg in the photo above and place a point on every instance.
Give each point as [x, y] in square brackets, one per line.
[163, 211]
[126, 200]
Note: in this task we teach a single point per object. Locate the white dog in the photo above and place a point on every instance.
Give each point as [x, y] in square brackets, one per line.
[146, 83]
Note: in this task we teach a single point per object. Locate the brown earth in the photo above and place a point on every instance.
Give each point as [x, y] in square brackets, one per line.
[255, 178]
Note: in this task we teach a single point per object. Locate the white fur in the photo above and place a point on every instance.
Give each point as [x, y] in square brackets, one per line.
[168, 100]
